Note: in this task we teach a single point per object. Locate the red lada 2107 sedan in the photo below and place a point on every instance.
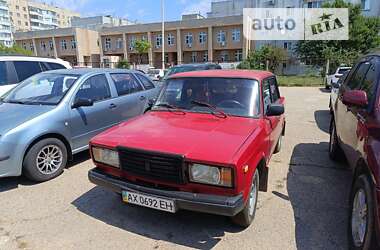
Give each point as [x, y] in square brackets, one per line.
[204, 146]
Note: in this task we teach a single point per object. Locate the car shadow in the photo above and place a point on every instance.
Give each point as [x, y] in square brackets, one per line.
[318, 190]
[185, 228]
[78, 159]
[324, 90]
[323, 118]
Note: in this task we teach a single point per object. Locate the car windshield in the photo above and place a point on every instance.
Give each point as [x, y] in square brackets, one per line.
[233, 96]
[42, 89]
[180, 69]
[343, 70]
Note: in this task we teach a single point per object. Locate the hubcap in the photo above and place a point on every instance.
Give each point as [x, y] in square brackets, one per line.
[252, 197]
[49, 159]
[359, 218]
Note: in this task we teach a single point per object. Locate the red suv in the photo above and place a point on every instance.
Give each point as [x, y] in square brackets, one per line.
[355, 131]
[204, 146]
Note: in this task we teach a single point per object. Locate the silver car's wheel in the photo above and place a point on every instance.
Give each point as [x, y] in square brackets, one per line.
[49, 159]
[359, 218]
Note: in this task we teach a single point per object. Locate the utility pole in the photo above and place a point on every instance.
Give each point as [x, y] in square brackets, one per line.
[163, 33]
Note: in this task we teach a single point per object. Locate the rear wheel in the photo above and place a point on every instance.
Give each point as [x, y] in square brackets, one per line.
[279, 145]
[45, 160]
[335, 152]
[361, 231]
[246, 216]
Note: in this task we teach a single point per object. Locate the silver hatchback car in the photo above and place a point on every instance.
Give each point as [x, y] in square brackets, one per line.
[51, 116]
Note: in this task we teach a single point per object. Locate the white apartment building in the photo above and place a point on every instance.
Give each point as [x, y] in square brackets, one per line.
[5, 24]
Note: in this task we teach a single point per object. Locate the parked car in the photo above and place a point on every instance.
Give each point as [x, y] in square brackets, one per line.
[15, 69]
[51, 116]
[204, 146]
[155, 74]
[333, 78]
[191, 67]
[355, 133]
[335, 90]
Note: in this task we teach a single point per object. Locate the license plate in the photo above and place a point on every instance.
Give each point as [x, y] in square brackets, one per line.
[149, 201]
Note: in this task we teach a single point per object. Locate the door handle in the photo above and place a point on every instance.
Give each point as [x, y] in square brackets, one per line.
[112, 106]
[142, 98]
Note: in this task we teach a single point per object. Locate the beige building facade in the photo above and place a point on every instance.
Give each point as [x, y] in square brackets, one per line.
[27, 15]
[188, 41]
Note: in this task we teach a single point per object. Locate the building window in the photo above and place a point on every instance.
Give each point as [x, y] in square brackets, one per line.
[18, 14]
[17, 7]
[26, 24]
[108, 43]
[63, 44]
[119, 43]
[158, 41]
[205, 56]
[31, 46]
[224, 56]
[43, 45]
[202, 37]
[189, 39]
[238, 55]
[171, 39]
[24, 45]
[51, 46]
[73, 44]
[288, 45]
[315, 4]
[19, 22]
[365, 4]
[194, 57]
[221, 37]
[144, 38]
[25, 16]
[132, 42]
[236, 35]
[24, 8]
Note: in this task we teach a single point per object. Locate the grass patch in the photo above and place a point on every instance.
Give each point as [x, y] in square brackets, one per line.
[300, 81]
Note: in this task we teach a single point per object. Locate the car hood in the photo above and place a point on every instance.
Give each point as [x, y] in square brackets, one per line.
[13, 115]
[196, 136]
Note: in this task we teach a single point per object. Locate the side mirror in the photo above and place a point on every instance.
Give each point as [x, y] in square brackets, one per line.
[275, 110]
[82, 102]
[150, 105]
[335, 85]
[356, 98]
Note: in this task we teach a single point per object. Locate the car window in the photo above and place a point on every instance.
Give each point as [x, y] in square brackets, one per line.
[343, 70]
[51, 66]
[274, 92]
[125, 84]
[145, 81]
[357, 78]
[369, 82]
[266, 94]
[25, 69]
[4, 76]
[95, 88]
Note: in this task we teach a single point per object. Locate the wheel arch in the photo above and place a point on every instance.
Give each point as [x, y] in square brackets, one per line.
[264, 174]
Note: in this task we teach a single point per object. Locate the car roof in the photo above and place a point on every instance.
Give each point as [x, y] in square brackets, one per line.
[194, 65]
[86, 71]
[225, 73]
[29, 58]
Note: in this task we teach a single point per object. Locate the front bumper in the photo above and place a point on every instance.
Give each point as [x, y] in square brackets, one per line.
[205, 203]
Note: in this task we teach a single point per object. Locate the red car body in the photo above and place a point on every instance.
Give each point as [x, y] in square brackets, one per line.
[355, 131]
[241, 143]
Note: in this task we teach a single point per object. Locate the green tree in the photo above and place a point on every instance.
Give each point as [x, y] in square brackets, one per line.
[266, 56]
[142, 47]
[123, 64]
[14, 50]
[363, 36]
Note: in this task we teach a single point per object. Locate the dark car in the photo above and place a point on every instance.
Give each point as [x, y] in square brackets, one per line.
[355, 132]
[191, 67]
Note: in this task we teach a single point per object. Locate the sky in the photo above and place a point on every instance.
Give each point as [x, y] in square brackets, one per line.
[135, 10]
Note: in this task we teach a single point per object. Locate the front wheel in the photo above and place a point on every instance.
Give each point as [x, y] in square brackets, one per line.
[361, 231]
[246, 216]
[45, 160]
[279, 145]
[335, 152]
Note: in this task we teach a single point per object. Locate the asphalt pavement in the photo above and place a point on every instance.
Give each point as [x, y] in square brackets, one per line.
[306, 206]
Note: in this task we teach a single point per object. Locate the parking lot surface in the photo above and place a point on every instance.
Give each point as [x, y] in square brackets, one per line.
[305, 207]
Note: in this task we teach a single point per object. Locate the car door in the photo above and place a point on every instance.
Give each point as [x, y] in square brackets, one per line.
[131, 99]
[347, 116]
[151, 91]
[271, 95]
[86, 122]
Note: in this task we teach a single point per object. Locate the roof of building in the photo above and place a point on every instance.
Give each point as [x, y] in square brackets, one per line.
[251, 74]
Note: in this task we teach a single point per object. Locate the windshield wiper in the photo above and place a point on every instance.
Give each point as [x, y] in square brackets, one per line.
[169, 107]
[214, 110]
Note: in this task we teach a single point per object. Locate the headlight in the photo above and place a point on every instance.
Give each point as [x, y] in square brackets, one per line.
[219, 176]
[106, 156]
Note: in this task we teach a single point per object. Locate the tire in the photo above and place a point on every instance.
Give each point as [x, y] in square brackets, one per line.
[247, 215]
[279, 145]
[366, 239]
[52, 155]
[335, 151]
